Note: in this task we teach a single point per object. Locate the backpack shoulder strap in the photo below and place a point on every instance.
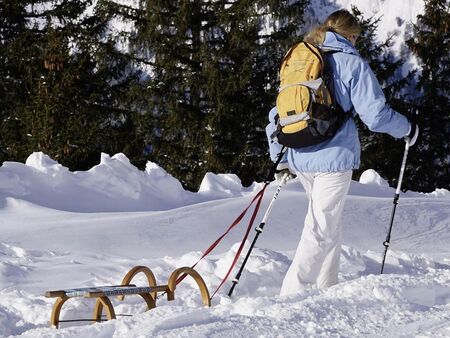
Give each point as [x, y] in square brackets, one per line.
[317, 52]
[289, 52]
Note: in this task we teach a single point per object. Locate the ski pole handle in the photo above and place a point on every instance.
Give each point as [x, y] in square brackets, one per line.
[402, 168]
[273, 170]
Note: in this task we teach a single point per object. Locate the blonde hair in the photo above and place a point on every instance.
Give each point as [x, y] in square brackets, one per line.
[341, 22]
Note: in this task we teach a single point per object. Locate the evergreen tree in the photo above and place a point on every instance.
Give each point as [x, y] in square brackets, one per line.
[73, 87]
[15, 41]
[257, 51]
[430, 160]
[213, 79]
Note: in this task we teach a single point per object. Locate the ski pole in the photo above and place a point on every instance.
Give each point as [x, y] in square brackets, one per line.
[396, 197]
[259, 229]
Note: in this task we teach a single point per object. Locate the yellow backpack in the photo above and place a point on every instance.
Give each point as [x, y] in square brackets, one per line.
[307, 114]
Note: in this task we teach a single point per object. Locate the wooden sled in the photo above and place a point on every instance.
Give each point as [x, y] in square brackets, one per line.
[102, 293]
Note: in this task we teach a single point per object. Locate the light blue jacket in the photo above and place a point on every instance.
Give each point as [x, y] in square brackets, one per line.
[354, 85]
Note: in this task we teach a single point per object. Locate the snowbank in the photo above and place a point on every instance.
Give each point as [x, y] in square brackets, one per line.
[115, 185]
[112, 185]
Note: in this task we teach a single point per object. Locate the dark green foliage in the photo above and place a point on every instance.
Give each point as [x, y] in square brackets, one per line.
[14, 42]
[69, 91]
[214, 77]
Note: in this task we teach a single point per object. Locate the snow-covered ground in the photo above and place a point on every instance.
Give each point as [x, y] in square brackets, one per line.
[60, 229]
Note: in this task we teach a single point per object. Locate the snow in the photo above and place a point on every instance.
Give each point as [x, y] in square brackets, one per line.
[61, 229]
[371, 177]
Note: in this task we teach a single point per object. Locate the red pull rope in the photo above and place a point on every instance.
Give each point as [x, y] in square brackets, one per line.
[238, 253]
[257, 198]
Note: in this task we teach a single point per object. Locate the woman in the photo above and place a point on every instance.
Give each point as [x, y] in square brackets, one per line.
[325, 170]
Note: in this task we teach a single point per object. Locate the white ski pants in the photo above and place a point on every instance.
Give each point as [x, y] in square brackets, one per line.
[316, 261]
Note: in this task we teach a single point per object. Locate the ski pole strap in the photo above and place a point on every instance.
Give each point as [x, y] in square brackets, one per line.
[258, 198]
[238, 253]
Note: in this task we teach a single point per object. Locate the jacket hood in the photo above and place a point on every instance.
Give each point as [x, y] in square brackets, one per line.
[336, 42]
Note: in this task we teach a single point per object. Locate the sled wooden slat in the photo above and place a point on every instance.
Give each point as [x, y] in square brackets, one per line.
[79, 292]
[120, 291]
